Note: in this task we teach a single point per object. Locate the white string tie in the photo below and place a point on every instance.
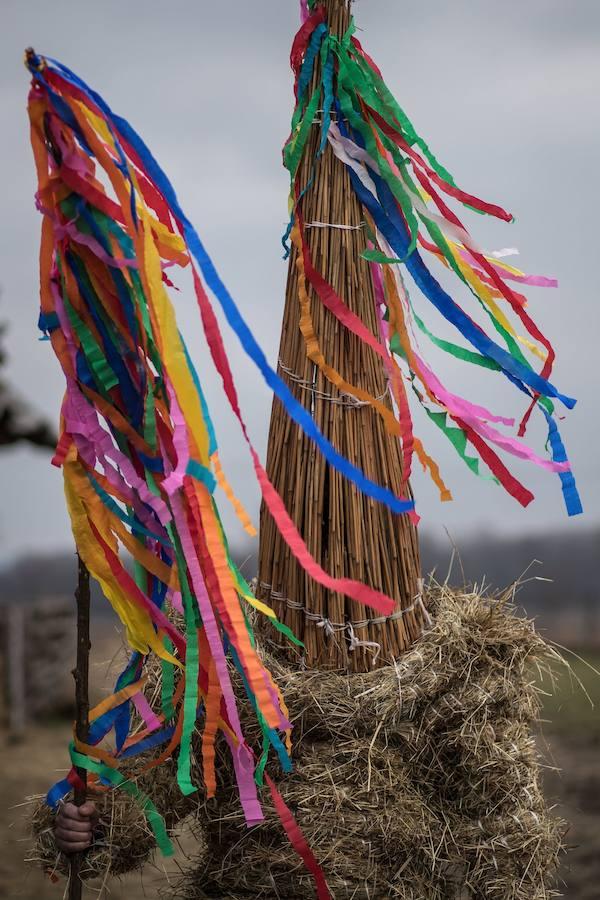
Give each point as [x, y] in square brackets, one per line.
[354, 643]
[327, 627]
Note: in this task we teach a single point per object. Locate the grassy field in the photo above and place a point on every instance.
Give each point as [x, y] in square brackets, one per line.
[571, 742]
[570, 739]
[572, 706]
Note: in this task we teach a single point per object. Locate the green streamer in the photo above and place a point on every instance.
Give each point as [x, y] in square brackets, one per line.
[167, 682]
[293, 151]
[155, 820]
[192, 667]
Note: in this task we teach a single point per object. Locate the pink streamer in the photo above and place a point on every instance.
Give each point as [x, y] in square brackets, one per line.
[174, 598]
[152, 721]
[535, 280]
[174, 479]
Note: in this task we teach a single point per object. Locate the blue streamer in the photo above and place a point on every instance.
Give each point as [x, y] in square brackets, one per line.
[567, 479]
[153, 740]
[201, 473]
[309, 58]
[57, 792]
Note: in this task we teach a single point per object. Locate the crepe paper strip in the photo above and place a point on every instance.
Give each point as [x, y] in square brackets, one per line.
[298, 841]
[335, 304]
[105, 379]
[219, 581]
[389, 222]
[130, 139]
[447, 186]
[57, 792]
[449, 253]
[249, 344]
[397, 234]
[428, 464]
[155, 820]
[115, 699]
[569, 488]
[511, 273]
[383, 153]
[270, 737]
[508, 481]
[418, 367]
[509, 295]
[209, 733]
[227, 490]
[147, 743]
[457, 438]
[167, 682]
[410, 443]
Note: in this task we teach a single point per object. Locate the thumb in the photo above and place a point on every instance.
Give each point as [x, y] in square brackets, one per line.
[88, 809]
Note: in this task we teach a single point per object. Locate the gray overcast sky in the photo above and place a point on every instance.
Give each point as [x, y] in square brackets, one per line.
[506, 95]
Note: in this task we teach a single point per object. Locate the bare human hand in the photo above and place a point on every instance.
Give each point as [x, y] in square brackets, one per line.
[74, 827]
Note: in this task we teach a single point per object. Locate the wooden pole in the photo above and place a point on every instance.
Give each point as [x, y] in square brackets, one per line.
[82, 704]
[350, 535]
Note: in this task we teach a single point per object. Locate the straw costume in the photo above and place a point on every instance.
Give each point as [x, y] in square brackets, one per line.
[414, 771]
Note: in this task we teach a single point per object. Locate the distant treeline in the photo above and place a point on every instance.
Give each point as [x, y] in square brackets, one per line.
[567, 559]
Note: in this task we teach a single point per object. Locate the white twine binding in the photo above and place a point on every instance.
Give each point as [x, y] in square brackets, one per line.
[318, 119]
[342, 400]
[333, 225]
[331, 628]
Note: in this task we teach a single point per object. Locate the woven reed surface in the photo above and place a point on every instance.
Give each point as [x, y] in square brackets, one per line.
[348, 534]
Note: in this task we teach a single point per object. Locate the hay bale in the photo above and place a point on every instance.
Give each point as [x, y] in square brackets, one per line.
[419, 780]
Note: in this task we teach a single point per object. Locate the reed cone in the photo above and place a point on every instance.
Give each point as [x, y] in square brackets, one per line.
[349, 534]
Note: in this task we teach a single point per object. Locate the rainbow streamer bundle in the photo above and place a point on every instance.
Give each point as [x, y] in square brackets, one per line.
[139, 454]
[402, 189]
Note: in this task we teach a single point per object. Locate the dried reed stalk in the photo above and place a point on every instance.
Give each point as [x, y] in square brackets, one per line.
[349, 534]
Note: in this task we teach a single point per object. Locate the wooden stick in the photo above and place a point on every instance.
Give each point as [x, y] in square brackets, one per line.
[82, 704]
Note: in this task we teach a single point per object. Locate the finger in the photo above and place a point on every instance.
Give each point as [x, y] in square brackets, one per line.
[73, 816]
[85, 811]
[82, 827]
[68, 809]
[67, 836]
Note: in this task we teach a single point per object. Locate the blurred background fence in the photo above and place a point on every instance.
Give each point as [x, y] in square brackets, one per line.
[37, 640]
